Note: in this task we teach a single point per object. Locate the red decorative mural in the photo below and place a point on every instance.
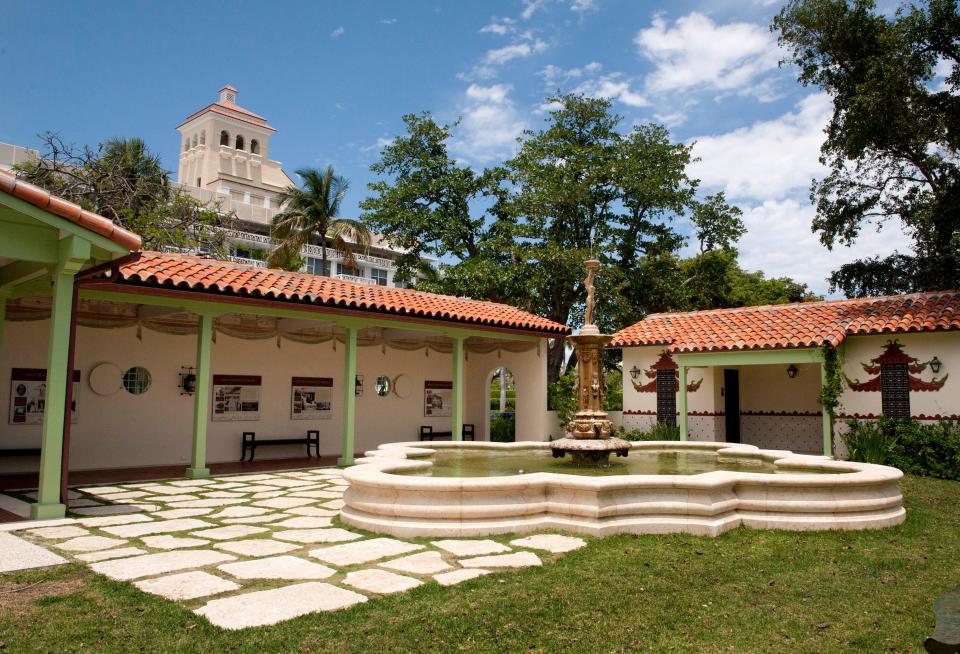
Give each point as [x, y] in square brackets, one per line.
[665, 362]
[893, 354]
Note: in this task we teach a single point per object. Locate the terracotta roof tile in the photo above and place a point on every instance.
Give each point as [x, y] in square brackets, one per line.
[192, 273]
[68, 210]
[806, 324]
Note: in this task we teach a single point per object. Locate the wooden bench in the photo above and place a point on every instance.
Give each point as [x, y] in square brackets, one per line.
[428, 434]
[20, 451]
[251, 442]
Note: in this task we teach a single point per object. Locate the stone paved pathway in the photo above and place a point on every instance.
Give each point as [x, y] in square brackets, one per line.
[252, 550]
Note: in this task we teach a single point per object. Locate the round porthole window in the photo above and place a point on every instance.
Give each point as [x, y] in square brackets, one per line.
[136, 380]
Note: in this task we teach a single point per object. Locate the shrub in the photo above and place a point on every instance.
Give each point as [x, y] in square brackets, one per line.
[658, 432]
[562, 397]
[917, 449]
[503, 429]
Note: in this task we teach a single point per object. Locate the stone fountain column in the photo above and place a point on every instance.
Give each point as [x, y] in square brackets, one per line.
[588, 437]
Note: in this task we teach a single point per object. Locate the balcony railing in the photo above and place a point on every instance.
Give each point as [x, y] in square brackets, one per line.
[243, 210]
[356, 279]
[264, 241]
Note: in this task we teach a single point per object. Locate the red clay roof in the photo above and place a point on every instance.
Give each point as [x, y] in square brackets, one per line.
[806, 324]
[231, 110]
[192, 273]
[68, 210]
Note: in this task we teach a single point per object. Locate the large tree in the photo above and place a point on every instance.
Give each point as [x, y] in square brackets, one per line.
[892, 142]
[123, 181]
[577, 188]
[311, 214]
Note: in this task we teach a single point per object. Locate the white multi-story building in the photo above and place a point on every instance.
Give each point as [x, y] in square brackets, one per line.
[225, 161]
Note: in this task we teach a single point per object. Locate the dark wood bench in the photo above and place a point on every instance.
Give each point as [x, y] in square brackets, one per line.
[428, 434]
[251, 442]
[20, 451]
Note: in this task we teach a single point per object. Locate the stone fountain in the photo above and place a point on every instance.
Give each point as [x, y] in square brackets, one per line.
[588, 438]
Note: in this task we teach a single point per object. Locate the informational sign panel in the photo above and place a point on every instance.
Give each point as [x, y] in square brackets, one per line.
[437, 399]
[28, 390]
[236, 397]
[311, 398]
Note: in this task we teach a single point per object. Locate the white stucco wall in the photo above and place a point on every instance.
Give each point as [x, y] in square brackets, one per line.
[155, 428]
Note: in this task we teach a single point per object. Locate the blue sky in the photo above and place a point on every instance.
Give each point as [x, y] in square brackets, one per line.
[334, 78]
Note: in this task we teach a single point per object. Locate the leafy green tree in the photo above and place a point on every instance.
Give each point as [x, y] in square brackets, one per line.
[310, 214]
[123, 181]
[892, 142]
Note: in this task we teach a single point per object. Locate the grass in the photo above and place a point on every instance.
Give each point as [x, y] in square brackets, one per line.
[746, 591]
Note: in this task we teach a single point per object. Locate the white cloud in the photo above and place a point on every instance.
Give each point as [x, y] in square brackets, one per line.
[337, 32]
[779, 242]
[769, 158]
[584, 6]
[696, 53]
[613, 87]
[489, 125]
[500, 26]
[388, 21]
[500, 56]
[530, 7]
[377, 145]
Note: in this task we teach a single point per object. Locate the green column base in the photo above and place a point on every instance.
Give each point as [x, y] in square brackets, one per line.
[197, 473]
[47, 511]
[345, 461]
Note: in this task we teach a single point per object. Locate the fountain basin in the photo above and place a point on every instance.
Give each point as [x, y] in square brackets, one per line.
[803, 492]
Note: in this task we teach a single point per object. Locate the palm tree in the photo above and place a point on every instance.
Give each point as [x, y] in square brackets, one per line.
[310, 213]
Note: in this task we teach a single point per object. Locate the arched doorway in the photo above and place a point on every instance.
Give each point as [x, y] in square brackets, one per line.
[502, 406]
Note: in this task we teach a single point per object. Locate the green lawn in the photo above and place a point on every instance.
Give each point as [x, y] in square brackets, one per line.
[746, 591]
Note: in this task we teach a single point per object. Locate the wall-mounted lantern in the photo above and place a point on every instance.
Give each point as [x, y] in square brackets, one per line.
[792, 371]
[635, 373]
[935, 365]
[188, 381]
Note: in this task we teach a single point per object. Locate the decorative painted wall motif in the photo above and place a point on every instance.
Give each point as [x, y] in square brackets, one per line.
[665, 362]
[893, 355]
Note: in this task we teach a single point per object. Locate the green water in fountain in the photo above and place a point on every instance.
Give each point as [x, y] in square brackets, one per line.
[484, 463]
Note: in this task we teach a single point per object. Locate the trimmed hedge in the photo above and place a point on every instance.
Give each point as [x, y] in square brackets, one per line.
[658, 432]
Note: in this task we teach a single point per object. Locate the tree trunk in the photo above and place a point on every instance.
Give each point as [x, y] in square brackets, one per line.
[555, 356]
[503, 390]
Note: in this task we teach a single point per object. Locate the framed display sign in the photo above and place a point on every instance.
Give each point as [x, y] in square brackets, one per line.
[28, 395]
[236, 397]
[311, 398]
[438, 399]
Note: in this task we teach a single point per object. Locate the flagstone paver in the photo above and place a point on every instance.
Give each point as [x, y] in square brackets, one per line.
[380, 581]
[333, 504]
[222, 493]
[157, 527]
[457, 576]
[190, 483]
[186, 585]
[154, 564]
[304, 522]
[240, 512]
[332, 535]
[256, 547]
[271, 606]
[181, 513]
[471, 547]
[103, 490]
[287, 483]
[18, 554]
[108, 520]
[550, 543]
[515, 560]
[93, 557]
[83, 502]
[90, 543]
[229, 532]
[114, 509]
[260, 488]
[170, 498]
[424, 563]
[283, 502]
[311, 511]
[207, 502]
[168, 542]
[128, 495]
[254, 519]
[52, 533]
[318, 494]
[364, 551]
[278, 567]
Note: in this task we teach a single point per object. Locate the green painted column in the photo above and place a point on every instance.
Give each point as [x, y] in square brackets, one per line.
[826, 417]
[682, 402]
[201, 400]
[457, 412]
[48, 503]
[3, 315]
[349, 424]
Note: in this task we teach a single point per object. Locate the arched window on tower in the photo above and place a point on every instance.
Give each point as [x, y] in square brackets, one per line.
[254, 146]
[203, 137]
[239, 143]
[193, 143]
[224, 138]
[186, 144]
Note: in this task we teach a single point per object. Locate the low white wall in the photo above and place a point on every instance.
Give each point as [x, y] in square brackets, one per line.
[155, 428]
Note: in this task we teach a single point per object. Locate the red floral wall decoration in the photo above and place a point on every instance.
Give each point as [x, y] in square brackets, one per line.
[893, 353]
[665, 362]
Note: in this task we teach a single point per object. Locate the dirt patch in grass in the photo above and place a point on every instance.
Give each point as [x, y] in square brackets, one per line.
[20, 599]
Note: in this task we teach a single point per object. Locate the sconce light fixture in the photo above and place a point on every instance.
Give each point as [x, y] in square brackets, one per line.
[935, 365]
[635, 373]
[188, 381]
[792, 371]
